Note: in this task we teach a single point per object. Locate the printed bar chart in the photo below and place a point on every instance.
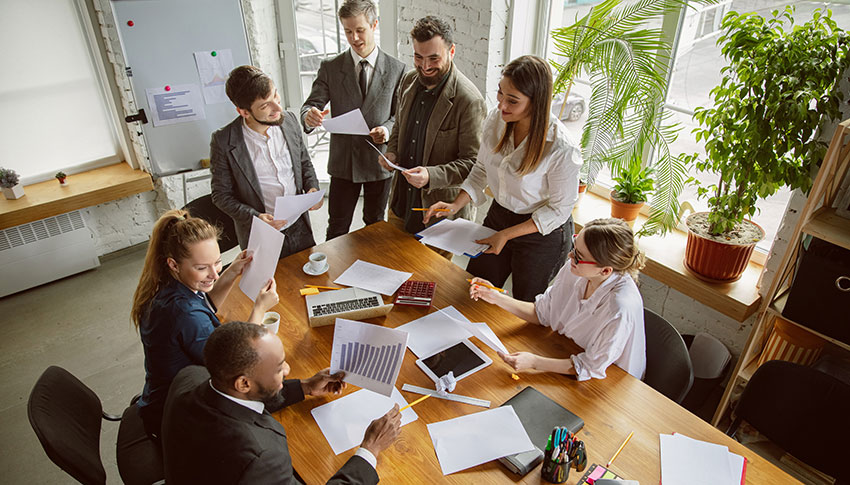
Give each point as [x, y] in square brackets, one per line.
[370, 355]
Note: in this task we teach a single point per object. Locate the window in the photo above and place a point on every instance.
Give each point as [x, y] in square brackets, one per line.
[56, 116]
[696, 70]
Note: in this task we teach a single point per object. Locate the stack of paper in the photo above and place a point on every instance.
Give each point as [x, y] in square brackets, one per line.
[692, 462]
[443, 328]
[457, 236]
[373, 277]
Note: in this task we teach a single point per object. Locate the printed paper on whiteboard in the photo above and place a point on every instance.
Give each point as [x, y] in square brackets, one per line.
[213, 69]
[264, 244]
[181, 103]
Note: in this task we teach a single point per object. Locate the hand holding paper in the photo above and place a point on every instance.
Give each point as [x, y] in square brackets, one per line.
[264, 243]
[290, 207]
[387, 161]
[351, 123]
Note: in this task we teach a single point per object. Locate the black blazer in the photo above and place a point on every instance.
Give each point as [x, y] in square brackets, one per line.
[235, 186]
[350, 157]
[210, 439]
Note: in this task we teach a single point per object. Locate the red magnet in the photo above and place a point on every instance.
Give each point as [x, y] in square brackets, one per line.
[168, 88]
[131, 23]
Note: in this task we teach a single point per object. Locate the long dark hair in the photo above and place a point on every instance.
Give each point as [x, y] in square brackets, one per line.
[532, 76]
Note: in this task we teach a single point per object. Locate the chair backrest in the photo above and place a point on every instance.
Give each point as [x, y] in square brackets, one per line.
[802, 410]
[66, 416]
[668, 364]
[204, 208]
[139, 457]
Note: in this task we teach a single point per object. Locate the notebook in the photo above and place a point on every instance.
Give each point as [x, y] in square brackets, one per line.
[538, 414]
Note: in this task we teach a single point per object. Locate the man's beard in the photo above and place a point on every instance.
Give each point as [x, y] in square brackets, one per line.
[436, 78]
[276, 122]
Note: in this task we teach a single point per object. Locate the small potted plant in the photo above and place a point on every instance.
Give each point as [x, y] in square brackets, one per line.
[61, 176]
[762, 133]
[10, 181]
[631, 188]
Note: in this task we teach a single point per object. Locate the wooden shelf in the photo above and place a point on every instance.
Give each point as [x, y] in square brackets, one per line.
[748, 370]
[827, 225]
[84, 189]
[665, 263]
[778, 306]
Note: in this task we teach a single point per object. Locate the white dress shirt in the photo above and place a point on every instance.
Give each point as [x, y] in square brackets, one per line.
[371, 59]
[259, 407]
[608, 325]
[273, 164]
[548, 193]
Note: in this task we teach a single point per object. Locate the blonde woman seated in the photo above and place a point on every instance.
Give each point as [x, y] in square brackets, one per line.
[594, 300]
[175, 304]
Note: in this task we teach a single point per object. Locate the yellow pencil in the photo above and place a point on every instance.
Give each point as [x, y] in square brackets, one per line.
[426, 396]
[423, 209]
[323, 287]
[500, 290]
[619, 450]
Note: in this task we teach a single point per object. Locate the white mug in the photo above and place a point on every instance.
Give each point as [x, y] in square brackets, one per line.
[318, 262]
[271, 321]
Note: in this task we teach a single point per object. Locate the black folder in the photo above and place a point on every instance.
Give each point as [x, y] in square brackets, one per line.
[538, 415]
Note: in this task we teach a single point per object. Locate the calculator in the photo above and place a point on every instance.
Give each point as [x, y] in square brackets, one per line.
[416, 293]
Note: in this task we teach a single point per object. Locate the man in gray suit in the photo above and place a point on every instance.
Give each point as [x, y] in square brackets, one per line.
[438, 132]
[217, 428]
[258, 157]
[362, 77]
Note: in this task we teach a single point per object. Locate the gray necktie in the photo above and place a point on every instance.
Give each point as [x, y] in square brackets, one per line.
[362, 80]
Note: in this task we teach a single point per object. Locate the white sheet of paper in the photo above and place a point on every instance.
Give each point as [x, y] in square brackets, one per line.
[435, 331]
[736, 462]
[391, 164]
[344, 421]
[480, 330]
[290, 207]
[373, 277]
[351, 123]
[458, 236]
[370, 355]
[686, 461]
[213, 71]
[180, 104]
[477, 438]
[265, 244]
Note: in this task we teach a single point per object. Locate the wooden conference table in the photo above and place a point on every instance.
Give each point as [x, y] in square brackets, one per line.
[611, 407]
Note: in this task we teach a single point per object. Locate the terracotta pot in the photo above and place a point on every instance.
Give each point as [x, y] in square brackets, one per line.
[582, 188]
[714, 261]
[625, 211]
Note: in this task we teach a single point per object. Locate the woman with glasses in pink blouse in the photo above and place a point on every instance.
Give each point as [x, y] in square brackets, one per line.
[594, 300]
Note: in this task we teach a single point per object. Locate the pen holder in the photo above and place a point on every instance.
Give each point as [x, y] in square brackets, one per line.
[555, 471]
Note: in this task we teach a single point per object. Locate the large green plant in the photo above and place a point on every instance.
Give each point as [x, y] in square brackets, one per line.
[634, 183]
[780, 85]
[628, 66]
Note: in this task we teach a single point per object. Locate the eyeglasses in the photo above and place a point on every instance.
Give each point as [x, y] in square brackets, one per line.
[575, 257]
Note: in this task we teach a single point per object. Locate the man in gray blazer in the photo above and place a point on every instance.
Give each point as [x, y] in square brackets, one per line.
[361, 77]
[217, 428]
[258, 157]
[438, 131]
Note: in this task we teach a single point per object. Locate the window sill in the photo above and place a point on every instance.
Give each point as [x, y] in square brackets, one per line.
[86, 189]
[665, 256]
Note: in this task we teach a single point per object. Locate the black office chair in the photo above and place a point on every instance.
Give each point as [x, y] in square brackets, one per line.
[803, 411]
[668, 363]
[204, 208]
[66, 416]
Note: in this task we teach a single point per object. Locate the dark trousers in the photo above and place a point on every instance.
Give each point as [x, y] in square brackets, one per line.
[533, 259]
[342, 198]
[298, 236]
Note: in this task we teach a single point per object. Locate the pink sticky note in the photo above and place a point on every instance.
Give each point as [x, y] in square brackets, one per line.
[597, 473]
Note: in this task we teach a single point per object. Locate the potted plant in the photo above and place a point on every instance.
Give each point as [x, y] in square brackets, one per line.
[631, 188]
[60, 176]
[628, 66]
[762, 134]
[10, 181]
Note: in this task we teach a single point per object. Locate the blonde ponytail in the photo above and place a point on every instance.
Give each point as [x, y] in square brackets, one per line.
[612, 243]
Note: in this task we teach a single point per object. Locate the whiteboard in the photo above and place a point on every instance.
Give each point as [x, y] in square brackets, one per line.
[159, 49]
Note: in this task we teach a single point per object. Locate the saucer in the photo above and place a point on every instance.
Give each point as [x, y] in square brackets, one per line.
[314, 273]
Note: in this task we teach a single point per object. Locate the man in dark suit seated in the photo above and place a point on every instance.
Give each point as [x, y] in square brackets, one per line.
[217, 428]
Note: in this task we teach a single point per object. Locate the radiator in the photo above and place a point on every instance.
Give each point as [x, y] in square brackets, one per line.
[43, 251]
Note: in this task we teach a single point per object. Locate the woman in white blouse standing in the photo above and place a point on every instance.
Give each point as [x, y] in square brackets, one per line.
[594, 301]
[532, 167]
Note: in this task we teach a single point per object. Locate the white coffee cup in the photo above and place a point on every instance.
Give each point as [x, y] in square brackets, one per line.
[318, 262]
[271, 320]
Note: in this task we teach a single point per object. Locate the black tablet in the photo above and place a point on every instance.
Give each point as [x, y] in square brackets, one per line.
[462, 358]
